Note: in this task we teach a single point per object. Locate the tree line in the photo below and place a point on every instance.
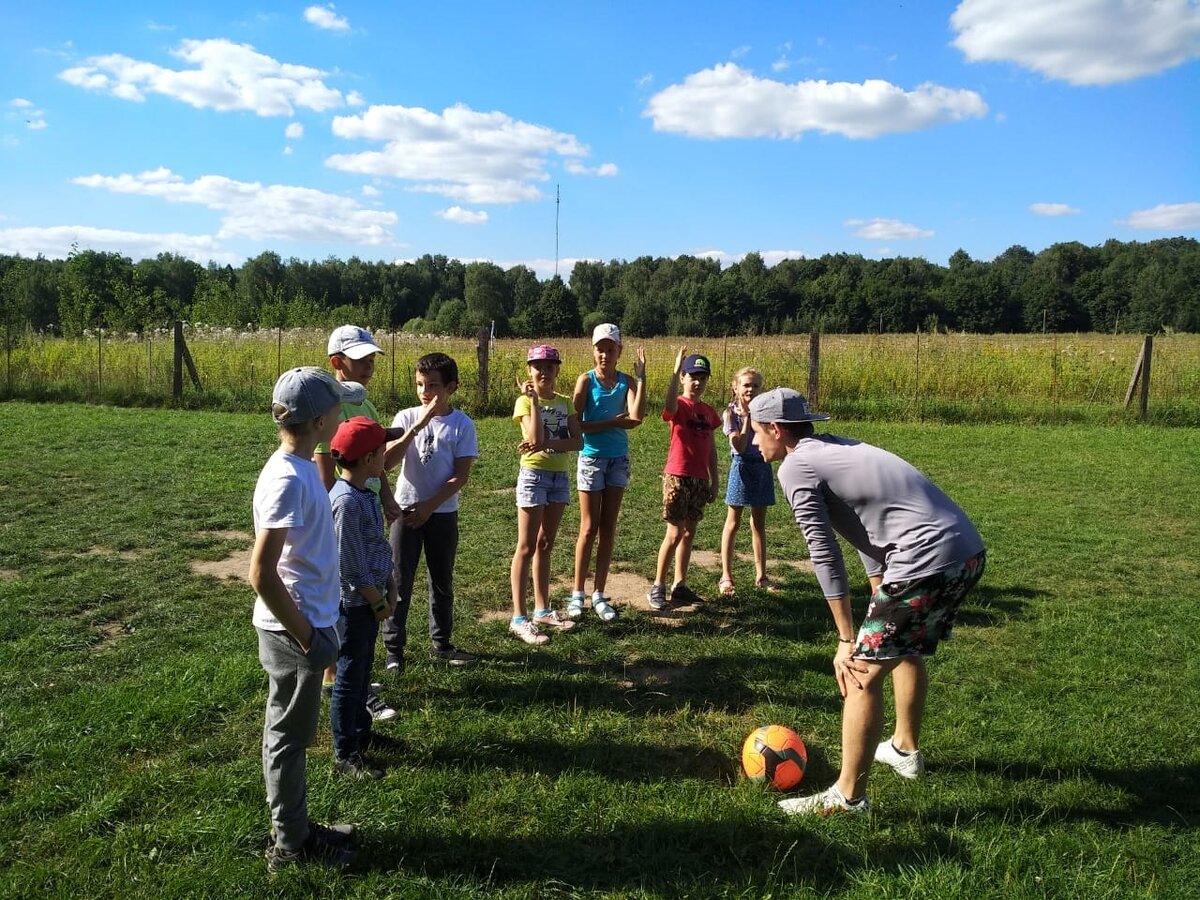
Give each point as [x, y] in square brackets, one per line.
[1118, 286]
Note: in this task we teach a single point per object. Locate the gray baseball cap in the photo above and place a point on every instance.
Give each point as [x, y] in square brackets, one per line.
[352, 341]
[783, 405]
[307, 392]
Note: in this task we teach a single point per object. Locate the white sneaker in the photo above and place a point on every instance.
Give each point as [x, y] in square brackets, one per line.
[605, 610]
[828, 802]
[908, 766]
[554, 619]
[528, 632]
[575, 604]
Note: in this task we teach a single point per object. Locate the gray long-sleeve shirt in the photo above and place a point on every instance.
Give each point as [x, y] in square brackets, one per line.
[902, 525]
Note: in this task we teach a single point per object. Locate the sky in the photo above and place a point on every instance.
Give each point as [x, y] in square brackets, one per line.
[540, 133]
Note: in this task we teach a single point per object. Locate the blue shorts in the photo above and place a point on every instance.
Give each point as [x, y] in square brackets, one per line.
[751, 483]
[539, 487]
[596, 473]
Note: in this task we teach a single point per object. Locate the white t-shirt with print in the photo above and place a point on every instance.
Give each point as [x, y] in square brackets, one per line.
[429, 459]
[289, 494]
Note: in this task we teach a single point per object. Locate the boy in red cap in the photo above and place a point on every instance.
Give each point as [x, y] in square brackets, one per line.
[367, 584]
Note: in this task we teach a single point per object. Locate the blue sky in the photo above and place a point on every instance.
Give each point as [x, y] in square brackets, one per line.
[219, 130]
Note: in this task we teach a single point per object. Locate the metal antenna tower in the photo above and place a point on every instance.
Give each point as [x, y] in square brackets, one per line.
[557, 200]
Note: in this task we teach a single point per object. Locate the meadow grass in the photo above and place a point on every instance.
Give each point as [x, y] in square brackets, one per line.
[1061, 731]
[928, 377]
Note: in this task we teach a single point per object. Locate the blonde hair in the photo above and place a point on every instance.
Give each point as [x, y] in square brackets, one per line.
[741, 373]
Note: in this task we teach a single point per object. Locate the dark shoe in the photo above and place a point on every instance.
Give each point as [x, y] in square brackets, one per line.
[376, 742]
[455, 656]
[379, 710]
[394, 666]
[683, 595]
[318, 849]
[356, 766]
[336, 835]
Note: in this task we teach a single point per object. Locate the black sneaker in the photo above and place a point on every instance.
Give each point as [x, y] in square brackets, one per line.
[357, 766]
[339, 835]
[394, 665]
[379, 710]
[455, 656]
[317, 850]
[683, 595]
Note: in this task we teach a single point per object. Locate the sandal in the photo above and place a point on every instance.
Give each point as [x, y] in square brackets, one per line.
[725, 586]
[765, 584]
[605, 610]
[575, 606]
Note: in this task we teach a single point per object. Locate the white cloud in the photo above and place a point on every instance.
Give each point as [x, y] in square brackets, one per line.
[370, 191]
[294, 131]
[739, 52]
[226, 76]
[252, 210]
[769, 257]
[463, 216]
[325, 17]
[887, 230]
[20, 103]
[468, 156]
[728, 101]
[645, 81]
[1081, 41]
[354, 98]
[55, 242]
[35, 124]
[1166, 217]
[575, 167]
[287, 151]
[1053, 209]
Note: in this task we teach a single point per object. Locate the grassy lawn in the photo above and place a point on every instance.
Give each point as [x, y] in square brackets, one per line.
[1061, 732]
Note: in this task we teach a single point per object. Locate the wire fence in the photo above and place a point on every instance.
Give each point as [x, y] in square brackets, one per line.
[937, 377]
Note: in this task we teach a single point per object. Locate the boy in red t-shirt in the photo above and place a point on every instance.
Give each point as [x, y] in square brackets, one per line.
[690, 476]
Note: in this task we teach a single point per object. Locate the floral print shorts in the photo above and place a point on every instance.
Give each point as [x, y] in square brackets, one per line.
[909, 618]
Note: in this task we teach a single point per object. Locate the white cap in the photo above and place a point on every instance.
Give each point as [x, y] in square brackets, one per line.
[352, 341]
[606, 332]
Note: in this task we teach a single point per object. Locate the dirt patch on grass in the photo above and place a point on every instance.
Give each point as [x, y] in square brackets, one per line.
[110, 633]
[120, 554]
[234, 566]
[800, 565]
[8, 575]
[227, 534]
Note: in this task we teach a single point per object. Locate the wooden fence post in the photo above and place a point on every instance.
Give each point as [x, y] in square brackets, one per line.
[481, 354]
[814, 370]
[917, 382]
[100, 363]
[1141, 373]
[177, 364]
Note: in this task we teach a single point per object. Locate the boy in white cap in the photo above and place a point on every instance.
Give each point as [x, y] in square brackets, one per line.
[352, 352]
[608, 404]
[922, 555]
[293, 570]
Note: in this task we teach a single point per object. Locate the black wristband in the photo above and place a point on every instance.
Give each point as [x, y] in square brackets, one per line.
[843, 640]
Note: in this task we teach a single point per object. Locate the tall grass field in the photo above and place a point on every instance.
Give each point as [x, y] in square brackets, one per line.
[1061, 732]
[911, 377]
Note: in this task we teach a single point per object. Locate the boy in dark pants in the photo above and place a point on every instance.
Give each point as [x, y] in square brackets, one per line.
[368, 587]
[437, 464]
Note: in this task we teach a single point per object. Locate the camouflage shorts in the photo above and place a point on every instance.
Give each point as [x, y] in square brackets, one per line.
[684, 498]
[909, 618]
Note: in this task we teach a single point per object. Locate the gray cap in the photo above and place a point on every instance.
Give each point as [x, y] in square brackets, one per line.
[783, 405]
[307, 392]
[352, 341]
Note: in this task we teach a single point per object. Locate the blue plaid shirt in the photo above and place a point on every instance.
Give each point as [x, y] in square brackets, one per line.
[364, 556]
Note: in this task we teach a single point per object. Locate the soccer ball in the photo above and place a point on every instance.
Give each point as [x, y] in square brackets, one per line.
[774, 755]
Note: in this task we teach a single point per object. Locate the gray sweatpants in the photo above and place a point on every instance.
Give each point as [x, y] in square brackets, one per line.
[293, 709]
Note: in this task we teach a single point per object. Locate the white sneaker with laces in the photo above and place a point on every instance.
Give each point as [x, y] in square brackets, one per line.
[829, 802]
[910, 766]
[528, 632]
[605, 610]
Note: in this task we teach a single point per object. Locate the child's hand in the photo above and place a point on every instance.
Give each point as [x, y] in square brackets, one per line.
[712, 491]
[418, 515]
[391, 509]
[639, 365]
[679, 359]
[526, 386]
[425, 416]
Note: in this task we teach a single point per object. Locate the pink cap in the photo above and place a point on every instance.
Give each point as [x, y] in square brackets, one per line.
[542, 351]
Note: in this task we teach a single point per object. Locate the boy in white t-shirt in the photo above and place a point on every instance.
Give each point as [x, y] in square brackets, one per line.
[438, 449]
[294, 571]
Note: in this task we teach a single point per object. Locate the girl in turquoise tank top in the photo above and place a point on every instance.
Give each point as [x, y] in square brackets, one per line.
[608, 403]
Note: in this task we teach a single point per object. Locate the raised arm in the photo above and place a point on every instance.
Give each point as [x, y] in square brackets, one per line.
[671, 400]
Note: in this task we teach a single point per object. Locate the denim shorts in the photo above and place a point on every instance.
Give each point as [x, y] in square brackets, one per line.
[597, 473]
[910, 618]
[539, 487]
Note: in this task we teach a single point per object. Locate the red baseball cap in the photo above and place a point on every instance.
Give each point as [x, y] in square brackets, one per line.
[358, 436]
